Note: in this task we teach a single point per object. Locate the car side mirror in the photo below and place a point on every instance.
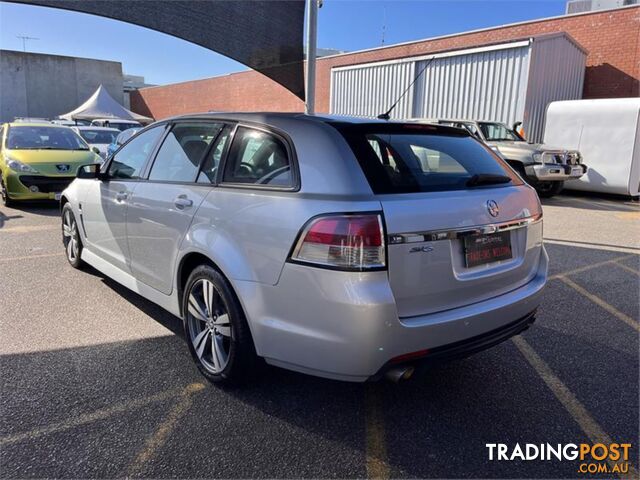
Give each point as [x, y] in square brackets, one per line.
[92, 170]
[95, 150]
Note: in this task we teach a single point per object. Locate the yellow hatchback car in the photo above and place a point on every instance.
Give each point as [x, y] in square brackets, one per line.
[39, 160]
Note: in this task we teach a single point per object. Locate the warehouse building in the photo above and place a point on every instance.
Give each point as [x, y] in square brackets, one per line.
[610, 40]
[45, 86]
[506, 82]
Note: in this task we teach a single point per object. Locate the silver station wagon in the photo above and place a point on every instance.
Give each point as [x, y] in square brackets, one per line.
[345, 248]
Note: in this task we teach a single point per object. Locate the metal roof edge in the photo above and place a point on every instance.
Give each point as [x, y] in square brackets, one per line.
[567, 35]
[516, 43]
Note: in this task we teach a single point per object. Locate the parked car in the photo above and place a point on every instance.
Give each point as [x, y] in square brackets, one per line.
[39, 160]
[98, 137]
[71, 123]
[545, 168]
[349, 249]
[121, 139]
[118, 123]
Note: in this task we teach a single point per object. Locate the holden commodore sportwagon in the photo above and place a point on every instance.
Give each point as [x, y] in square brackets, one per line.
[344, 248]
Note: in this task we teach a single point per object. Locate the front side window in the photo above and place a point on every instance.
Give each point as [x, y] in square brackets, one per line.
[129, 160]
[258, 158]
[496, 132]
[44, 138]
[404, 160]
[179, 157]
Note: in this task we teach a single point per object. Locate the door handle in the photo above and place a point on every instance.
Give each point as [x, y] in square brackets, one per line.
[182, 202]
[121, 196]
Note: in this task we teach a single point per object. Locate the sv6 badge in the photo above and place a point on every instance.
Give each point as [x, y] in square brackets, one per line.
[424, 249]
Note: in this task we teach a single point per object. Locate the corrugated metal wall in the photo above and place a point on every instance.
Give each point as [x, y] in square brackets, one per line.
[556, 73]
[371, 90]
[505, 83]
[487, 85]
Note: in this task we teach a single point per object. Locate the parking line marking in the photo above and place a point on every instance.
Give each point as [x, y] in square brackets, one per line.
[88, 417]
[593, 246]
[27, 257]
[629, 215]
[601, 303]
[627, 267]
[568, 400]
[589, 267]
[611, 206]
[376, 450]
[160, 436]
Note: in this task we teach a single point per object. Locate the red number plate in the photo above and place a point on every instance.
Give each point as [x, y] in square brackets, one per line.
[482, 249]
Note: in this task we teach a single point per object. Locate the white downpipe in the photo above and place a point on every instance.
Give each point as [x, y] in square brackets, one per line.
[312, 38]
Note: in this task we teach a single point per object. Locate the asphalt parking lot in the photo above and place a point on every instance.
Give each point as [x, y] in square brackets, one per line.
[97, 382]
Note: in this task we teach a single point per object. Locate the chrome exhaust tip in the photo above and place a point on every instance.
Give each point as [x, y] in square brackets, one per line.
[397, 374]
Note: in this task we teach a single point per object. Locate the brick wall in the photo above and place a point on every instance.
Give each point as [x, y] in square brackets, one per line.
[612, 39]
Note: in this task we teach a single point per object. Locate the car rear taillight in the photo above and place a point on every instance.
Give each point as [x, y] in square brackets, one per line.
[345, 242]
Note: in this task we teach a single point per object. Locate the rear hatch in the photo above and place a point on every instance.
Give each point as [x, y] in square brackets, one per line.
[461, 226]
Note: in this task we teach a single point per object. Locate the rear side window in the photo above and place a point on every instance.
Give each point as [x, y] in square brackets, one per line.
[405, 161]
[179, 157]
[209, 171]
[259, 158]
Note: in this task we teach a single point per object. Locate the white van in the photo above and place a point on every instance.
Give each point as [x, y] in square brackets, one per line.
[607, 134]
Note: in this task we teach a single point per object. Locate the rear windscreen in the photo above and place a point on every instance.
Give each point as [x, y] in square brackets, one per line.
[397, 160]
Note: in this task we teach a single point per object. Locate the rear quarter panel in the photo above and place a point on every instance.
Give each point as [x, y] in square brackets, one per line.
[249, 234]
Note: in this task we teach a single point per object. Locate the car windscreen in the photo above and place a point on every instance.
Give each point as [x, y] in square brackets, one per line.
[496, 132]
[98, 136]
[41, 137]
[408, 159]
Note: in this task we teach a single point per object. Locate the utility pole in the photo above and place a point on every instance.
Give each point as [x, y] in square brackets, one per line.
[312, 39]
[24, 41]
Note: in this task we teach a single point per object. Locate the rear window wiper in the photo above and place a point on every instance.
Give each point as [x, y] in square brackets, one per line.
[487, 179]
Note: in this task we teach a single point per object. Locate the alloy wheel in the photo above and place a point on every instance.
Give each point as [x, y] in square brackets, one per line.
[209, 326]
[70, 236]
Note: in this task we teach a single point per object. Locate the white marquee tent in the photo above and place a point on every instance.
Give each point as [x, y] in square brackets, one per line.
[102, 105]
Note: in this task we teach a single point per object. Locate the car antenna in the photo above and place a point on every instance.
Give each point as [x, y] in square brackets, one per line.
[387, 115]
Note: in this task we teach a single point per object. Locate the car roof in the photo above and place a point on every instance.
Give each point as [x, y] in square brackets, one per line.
[268, 118]
[89, 127]
[114, 120]
[287, 121]
[36, 124]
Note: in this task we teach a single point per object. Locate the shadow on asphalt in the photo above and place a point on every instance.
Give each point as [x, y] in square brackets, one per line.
[5, 218]
[593, 202]
[44, 208]
[286, 424]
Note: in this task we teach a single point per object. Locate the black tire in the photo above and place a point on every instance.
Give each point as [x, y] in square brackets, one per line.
[241, 358]
[70, 233]
[6, 201]
[548, 189]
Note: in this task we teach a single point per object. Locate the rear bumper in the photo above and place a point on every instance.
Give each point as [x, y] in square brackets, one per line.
[345, 325]
[465, 348]
[546, 172]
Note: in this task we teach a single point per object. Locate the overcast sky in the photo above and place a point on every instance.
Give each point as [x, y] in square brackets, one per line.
[343, 24]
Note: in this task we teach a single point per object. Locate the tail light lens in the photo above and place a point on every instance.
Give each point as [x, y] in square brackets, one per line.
[345, 242]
